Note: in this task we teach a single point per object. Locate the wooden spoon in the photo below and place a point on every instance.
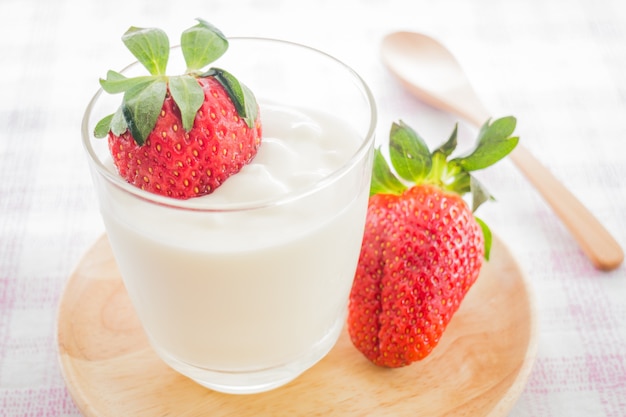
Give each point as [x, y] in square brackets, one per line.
[430, 71]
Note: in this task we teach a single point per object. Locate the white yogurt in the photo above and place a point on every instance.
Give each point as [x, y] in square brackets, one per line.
[249, 290]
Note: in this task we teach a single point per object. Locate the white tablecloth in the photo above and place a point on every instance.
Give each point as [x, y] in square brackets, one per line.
[559, 66]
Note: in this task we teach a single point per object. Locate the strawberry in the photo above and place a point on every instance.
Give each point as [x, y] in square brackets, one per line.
[423, 247]
[180, 136]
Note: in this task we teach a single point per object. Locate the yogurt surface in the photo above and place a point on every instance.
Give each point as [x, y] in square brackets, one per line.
[298, 149]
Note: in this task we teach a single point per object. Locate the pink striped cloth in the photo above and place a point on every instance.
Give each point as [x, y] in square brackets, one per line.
[559, 66]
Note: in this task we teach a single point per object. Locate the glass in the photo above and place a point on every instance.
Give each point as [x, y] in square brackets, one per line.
[243, 297]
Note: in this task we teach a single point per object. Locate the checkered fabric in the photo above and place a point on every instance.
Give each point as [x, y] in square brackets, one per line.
[559, 66]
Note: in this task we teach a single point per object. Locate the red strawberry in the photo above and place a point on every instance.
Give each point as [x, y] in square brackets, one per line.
[423, 248]
[180, 136]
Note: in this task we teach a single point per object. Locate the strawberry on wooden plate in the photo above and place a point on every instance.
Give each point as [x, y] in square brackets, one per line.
[423, 247]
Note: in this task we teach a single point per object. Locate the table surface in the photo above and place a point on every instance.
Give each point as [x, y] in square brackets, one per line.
[559, 66]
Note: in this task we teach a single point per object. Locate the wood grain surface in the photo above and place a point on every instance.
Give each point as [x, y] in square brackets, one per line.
[479, 368]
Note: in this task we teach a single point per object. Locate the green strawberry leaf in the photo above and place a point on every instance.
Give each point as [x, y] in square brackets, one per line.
[486, 235]
[141, 107]
[383, 180]
[251, 107]
[113, 122]
[118, 124]
[494, 143]
[189, 96]
[243, 98]
[117, 83]
[102, 127]
[480, 194]
[502, 127]
[450, 145]
[150, 46]
[202, 44]
[409, 153]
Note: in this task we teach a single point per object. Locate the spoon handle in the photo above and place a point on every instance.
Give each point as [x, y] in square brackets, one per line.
[600, 247]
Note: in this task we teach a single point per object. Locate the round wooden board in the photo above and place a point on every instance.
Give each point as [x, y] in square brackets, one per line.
[479, 368]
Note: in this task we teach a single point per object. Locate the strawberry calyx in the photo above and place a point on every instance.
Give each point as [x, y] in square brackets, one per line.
[415, 164]
[143, 96]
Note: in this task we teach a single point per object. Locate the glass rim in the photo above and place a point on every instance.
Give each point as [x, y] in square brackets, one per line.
[192, 204]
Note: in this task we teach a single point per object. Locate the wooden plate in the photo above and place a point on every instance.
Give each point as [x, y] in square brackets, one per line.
[479, 368]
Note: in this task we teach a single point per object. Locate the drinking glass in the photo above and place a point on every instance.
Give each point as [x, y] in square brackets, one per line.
[243, 297]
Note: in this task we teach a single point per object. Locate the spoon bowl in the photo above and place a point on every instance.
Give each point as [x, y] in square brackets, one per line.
[428, 70]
